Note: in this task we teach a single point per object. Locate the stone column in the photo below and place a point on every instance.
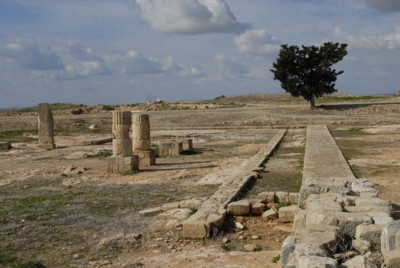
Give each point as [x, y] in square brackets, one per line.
[122, 144]
[46, 126]
[141, 143]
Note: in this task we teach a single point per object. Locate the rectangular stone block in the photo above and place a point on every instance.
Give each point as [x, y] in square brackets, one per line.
[287, 214]
[146, 158]
[122, 164]
[196, 229]
[176, 148]
[187, 144]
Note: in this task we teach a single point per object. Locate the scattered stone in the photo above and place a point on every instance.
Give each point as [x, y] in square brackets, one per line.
[255, 237]
[239, 208]
[287, 214]
[362, 246]
[93, 127]
[225, 240]
[266, 197]
[150, 211]
[270, 215]
[239, 226]
[294, 198]
[358, 262]
[281, 197]
[117, 241]
[250, 247]
[170, 219]
[257, 208]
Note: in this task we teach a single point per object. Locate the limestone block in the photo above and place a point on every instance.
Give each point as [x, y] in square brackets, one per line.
[146, 158]
[45, 126]
[372, 201]
[196, 229]
[326, 240]
[311, 228]
[266, 197]
[176, 148]
[122, 147]
[321, 217]
[370, 232]
[288, 246]
[320, 186]
[294, 198]
[390, 243]
[270, 215]
[358, 262]
[348, 222]
[317, 262]
[170, 219]
[257, 208]
[362, 246]
[382, 218]
[306, 250]
[331, 202]
[287, 214]
[150, 211]
[164, 148]
[191, 203]
[363, 186]
[369, 209]
[119, 164]
[239, 208]
[299, 222]
[187, 144]
[140, 144]
[5, 146]
[281, 197]
[216, 219]
[169, 206]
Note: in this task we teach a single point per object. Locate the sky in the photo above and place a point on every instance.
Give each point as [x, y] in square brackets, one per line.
[132, 51]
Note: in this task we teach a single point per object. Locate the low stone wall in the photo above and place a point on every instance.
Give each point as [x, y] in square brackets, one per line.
[339, 221]
[210, 216]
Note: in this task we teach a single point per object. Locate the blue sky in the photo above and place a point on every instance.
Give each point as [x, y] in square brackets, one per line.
[127, 51]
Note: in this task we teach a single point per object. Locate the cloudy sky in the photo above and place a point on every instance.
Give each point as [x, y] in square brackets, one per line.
[127, 51]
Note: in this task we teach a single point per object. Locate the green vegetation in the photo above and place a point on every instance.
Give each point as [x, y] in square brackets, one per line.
[105, 153]
[276, 259]
[228, 247]
[129, 172]
[281, 205]
[18, 135]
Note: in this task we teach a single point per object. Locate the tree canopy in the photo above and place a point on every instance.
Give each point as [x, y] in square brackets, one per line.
[307, 71]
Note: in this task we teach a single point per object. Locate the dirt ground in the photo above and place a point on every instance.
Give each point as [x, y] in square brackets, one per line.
[60, 208]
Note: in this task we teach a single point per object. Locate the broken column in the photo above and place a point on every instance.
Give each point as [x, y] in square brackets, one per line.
[122, 159]
[45, 126]
[122, 144]
[141, 144]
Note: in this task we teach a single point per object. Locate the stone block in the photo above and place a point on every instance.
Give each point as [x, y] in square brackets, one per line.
[326, 240]
[4, 146]
[164, 148]
[187, 144]
[330, 202]
[257, 208]
[270, 215]
[176, 148]
[370, 232]
[45, 126]
[122, 147]
[321, 217]
[390, 243]
[121, 164]
[369, 209]
[146, 158]
[362, 186]
[317, 262]
[266, 197]
[170, 219]
[287, 214]
[362, 246]
[299, 222]
[311, 228]
[239, 208]
[196, 229]
[348, 222]
[281, 197]
[150, 211]
[294, 198]
[382, 218]
[191, 203]
[306, 250]
[288, 246]
[169, 206]
[358, 262]
[372, 201]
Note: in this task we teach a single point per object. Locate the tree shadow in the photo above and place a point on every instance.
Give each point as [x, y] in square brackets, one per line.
[350, 106]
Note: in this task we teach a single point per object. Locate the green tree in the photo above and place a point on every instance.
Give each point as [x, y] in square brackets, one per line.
[307, 71]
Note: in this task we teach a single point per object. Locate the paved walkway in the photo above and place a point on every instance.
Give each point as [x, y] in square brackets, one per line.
[323, 158]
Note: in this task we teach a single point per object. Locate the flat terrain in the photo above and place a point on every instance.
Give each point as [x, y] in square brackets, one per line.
[60, 208]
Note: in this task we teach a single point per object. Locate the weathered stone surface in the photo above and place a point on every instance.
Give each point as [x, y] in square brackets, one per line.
[349, 221]
[326, 240]
[150, 211]
[270, 215]
[239, 208]
[390, 244]
[382, 218]
[196, 229]
[170, 219]
[5, 146]
[288, 246]
[358, 262]
[266, 197]
[140, 132]
[370, 232]
[369, 209]
[330, 202]
[187, 144]
[191, 203]
[119, 164]
[169, 206]
[45, 126]
[362, 246]
[281, 197]
[299, 222]
[250, 247]
[363, 186]
[372, 201]
[321, 217]
[164, 148]
[311, 228]
[294, 198]
[122, 147]
[287, 214]
[121, 123]
[118, 241]
[257, 208]
[302, 249]
[317, 262]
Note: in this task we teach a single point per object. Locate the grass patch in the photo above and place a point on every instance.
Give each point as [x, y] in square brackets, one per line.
[228, 248]
[129, 172]
[105, 153]
[18, 135]
[276, 259]
[281, 205]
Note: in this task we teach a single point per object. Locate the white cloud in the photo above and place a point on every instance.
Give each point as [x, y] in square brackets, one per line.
[31, 56]
[228, 67]
[190, 16]
[377, 43]
[257, 42]
[385, 5]
[136, 63]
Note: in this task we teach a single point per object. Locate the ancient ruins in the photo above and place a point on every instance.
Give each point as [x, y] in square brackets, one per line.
[45, 126]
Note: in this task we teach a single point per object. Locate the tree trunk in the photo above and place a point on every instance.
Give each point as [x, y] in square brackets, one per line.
[312, 102]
